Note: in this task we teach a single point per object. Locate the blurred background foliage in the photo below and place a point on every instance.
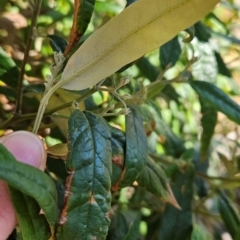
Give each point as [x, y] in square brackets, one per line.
[173, 118]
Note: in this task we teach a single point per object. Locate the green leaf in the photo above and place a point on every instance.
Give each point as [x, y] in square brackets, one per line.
[205, 68]
[118, 141]
[200, 233]
[172, 144]
[148, 70]
[57, 43]
[191, 32]
[9, 72]
[133, 232]
[34, 88]
[129, 2]
[89, 162]
[118, 227]
[30, 181]
[85, 10]
[154, 179]
[222, 68]
[136, 148]
[216, 98]
[84, 70]
[229, 214]
[177, 224]
[32, 224]
[202, 32]
[208, 121]
[170, 52]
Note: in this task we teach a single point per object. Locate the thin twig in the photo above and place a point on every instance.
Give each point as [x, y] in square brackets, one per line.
[75, 35]
[36, 10]
[18, 118]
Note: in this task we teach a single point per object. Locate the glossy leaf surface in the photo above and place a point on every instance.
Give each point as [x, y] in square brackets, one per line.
[153, 178]
[89, 161]
[136, 148]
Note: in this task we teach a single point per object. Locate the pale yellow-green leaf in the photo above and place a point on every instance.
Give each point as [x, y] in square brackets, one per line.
[140, 28]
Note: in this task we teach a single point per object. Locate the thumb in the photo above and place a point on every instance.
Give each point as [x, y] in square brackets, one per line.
[28, 148]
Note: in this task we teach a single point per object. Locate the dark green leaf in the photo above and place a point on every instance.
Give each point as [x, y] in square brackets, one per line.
[30, 181]
[202, 32]
[118, 135]
[148, 70]
[129, 2]
[229, 214]
[209, 121]
[89, 162]
[34, 88]
[170, 53]
[177, 224]
[191, 31]
[133, 232]
[172, 144]
[32, 224]
[202, 167]
[57, 43]
[9, 72]
[136, 148]
[118, 227]
[118, 142]
[154, 179]
[84, 15]
[222, 68]
[216, 98]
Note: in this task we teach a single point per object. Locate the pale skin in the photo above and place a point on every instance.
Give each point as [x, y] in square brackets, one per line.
[27, 148]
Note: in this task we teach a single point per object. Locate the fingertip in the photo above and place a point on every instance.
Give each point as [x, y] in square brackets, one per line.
[26, 147]
[8, 219]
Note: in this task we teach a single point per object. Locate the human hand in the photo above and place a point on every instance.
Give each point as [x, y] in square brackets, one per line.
[27, 148]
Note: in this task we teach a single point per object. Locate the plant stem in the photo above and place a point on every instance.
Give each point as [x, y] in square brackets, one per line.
[40, 113]
[19, 118]
[36, 10]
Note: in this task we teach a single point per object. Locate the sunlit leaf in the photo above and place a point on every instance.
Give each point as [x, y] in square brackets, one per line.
[87, 66]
